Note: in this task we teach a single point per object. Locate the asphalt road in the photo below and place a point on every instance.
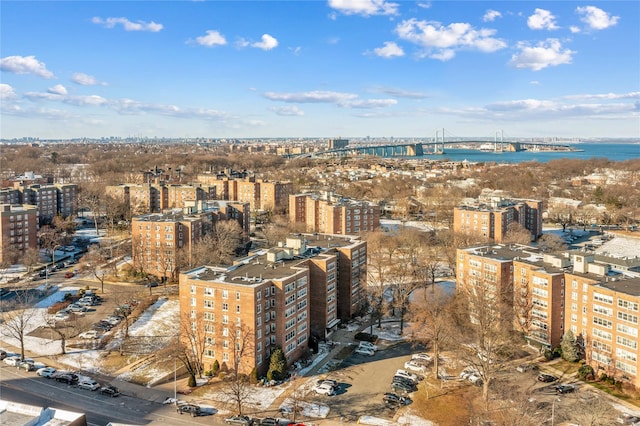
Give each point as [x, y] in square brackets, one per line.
[28, 388]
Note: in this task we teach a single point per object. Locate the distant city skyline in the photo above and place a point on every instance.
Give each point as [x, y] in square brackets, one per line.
[336, 68]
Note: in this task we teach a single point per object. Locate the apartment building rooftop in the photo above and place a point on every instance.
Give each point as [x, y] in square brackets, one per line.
[622, 284]
[507, 252]
[273, 263]
[167, 216]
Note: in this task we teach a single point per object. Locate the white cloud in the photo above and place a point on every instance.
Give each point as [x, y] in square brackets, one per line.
[630, 95]
[400, 93]
[86, 80]
[544, 54]
[364, 7]
[574, 29]
[347, 100]
[6, 92]
[268, 42]
[127, 24]
[58, 89]
[289, 111]
[442, 42]
[389, 50]
[241, 42]
[311, 97]
[295, 50]
[25, 65]
[491, 15]
[542, 20]
[212, 38]
[595, 18]
[370, 103]
[424, 5]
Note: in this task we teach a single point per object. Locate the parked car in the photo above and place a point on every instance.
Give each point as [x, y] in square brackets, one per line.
[405, 373]
[565, 388]
[422, 357]
[151, 284]
[324, 389]
[47, 372]
[192, 409]
[27, 365]
[89, 334]
[3, 354]
[75, 308]
[403, 379]
[112, 391]
[368, 345]
[68, 378]
[394, 399]
[475, 379]
[330, 382]
[12, 360]
[269, 421]
[61, 316]
[415, 366]
[239, 420]
[364, 351]
[88, 384]
[69, 275]
[547, 378]
[403, 387]
[627, 419]
[522, 368]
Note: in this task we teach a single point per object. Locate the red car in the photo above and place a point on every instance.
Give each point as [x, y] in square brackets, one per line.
[69, 275]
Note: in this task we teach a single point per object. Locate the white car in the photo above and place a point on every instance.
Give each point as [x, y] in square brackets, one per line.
[91, 334]
[364, 351]
[415, 366]
[324, 389]
[88, 384]
[61, 316]
[406, 374]
[12, 360]
[422, 357]
[368, 345]
[47, 372]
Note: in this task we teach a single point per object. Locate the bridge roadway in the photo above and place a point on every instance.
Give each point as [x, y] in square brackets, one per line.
[422, 148]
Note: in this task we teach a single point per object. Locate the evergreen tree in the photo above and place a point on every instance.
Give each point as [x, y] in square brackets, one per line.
[569, 348]
[277, 365]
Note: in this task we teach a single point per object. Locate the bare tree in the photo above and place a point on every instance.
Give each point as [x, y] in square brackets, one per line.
[18, 317]
[380, 249]
[94, 260]
[238, 388]
[65, 330]
[30, 258]
[551, 243]
[563, 216]
[487, 317]
[433, 322]
[194, 342]
[517, 234]
[219, 246]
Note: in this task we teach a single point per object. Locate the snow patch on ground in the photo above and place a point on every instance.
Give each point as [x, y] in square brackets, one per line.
[621, 247]
[56, 297]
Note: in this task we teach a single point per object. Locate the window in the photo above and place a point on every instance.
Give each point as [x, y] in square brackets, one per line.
[599, 297]
[237, 295]
[209, 292]
[225, 332]
[208, 304]
[193, 301]
[225, 294]
[628, 317]
[225, 307]
[602, 322]
[632, 306]
[237, 309]
[225, 319]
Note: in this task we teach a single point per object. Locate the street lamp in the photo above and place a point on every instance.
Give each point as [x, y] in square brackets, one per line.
[175, 383]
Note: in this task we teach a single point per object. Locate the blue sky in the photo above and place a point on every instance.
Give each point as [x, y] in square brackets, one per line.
[349, 68]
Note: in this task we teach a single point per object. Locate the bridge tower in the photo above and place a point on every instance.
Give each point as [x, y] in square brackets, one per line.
[435, 146]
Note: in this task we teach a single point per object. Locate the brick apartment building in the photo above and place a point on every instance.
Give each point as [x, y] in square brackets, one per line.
[18, 230]
[50, 200]
[156, 197]
[261, 194]
[574, 291]
[489, 219]
[277, 297]
[330, 214]
[159, 239]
